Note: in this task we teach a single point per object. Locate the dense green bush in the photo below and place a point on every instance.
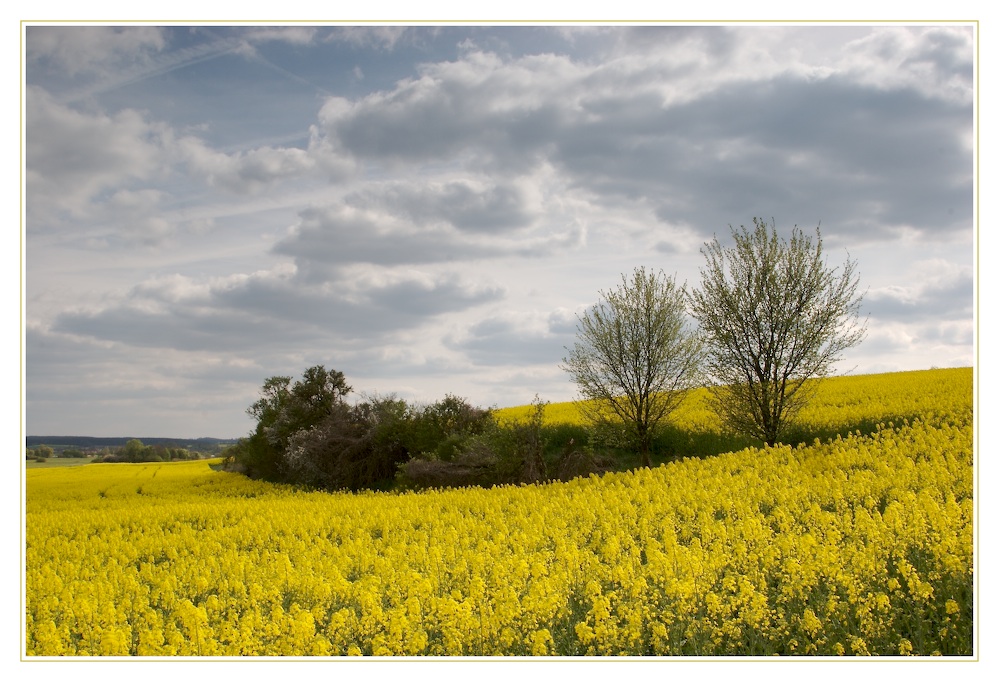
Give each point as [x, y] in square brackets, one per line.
[353, 447]
[308, 434]
[439, 431]
[527, 451]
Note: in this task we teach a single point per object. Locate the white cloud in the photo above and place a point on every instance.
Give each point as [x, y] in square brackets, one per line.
[104, 382]
[634, 129]
[136, 215]
[471, 205]
[272, 309]
[296, 35]
[516, 339]
[937, 62]
[92, 50]
[73, 156]
[120, 170]
[328, 239]
[244, 172]
[933, 290]
[476, 104]
[378, 37]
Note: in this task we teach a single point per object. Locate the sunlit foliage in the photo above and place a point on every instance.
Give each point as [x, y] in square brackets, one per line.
[859, 544]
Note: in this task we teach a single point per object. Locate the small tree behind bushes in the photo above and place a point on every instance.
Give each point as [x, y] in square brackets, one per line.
[283, 410]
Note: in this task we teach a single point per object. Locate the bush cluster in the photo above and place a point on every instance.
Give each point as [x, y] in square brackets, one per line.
[308, 434]
[40, 453]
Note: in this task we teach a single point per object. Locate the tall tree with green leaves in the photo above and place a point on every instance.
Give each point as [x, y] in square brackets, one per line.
[285, 409]
[635, 356]
[776, 318]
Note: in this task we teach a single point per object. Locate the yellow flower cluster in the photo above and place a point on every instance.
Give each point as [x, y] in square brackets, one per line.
[840, 402]
[859, 545]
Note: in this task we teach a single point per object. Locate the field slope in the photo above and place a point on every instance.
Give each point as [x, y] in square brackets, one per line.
[856, 544]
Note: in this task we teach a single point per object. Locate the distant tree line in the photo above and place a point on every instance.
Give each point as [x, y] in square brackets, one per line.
[135, 451]
[122, 449]
[42, 453]
[39, 453]
[94, 444]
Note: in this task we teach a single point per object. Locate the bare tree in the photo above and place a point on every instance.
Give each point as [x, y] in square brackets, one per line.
[635, 356]
[774, 315]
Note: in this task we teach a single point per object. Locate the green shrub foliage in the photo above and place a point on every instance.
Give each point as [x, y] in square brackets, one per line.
[307, 433]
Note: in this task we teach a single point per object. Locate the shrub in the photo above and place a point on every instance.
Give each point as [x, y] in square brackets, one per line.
[439, 431]
[581, 462]
[354, 447]
[470, 470]
[481, 452]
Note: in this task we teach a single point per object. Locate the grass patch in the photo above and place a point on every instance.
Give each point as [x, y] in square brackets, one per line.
[56, 462]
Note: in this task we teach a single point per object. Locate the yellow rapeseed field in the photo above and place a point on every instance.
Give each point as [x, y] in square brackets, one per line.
[857, 545]
[840, 402]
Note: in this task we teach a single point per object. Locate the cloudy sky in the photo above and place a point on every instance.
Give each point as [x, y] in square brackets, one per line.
[427, 209]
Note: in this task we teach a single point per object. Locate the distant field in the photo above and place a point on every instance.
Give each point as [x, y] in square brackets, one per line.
[856, 544]
[54, 462]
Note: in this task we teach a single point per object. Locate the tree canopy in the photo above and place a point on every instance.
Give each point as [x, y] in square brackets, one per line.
[283, 410]
[774, 314]
[635, 356]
